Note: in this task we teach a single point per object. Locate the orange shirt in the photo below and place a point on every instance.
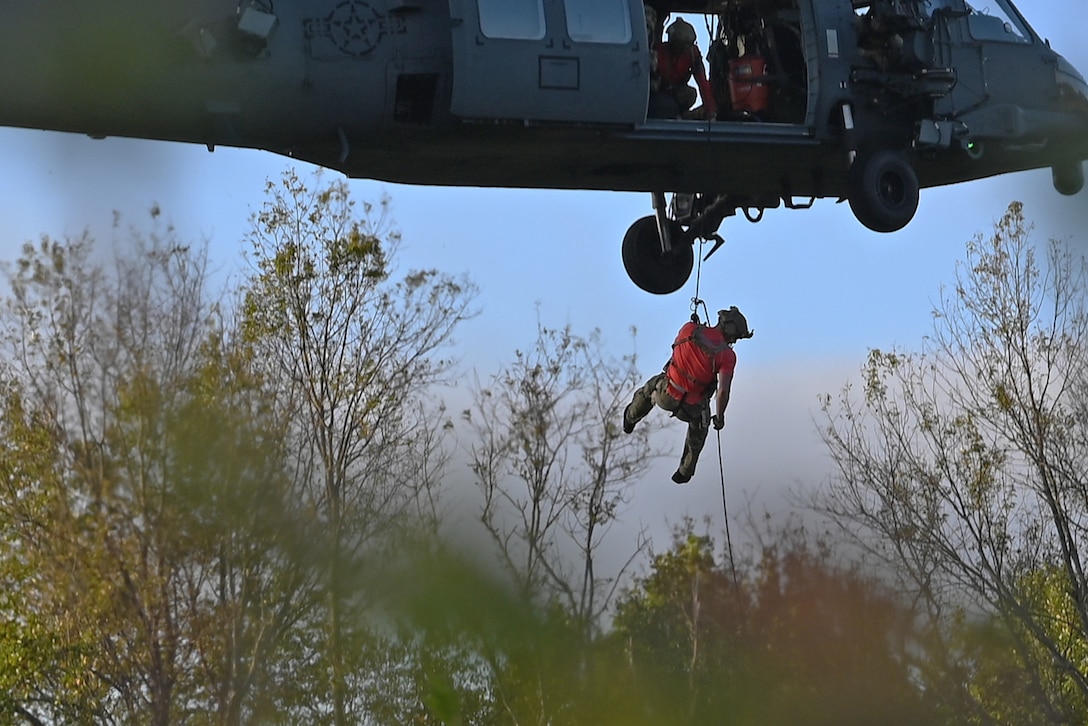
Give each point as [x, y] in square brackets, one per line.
[677, 70]
[699, 355]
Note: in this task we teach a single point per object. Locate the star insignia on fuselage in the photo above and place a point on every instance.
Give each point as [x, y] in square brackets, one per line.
[355, 27]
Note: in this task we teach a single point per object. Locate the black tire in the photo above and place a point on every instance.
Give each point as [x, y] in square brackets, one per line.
[1068, 177]
[883, 191]
[647, 267]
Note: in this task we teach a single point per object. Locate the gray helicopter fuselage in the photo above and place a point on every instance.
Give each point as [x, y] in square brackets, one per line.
[550, 93]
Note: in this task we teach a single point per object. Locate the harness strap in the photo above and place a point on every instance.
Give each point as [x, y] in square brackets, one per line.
[699, 338]
[691, 379]
[679, 386]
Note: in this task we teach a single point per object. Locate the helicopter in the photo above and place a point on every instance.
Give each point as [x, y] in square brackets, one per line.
[863, 101]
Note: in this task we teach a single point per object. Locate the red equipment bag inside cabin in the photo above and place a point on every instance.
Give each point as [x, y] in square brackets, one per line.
[748, 89]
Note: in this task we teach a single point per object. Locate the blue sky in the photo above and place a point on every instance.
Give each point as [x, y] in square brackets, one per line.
[819, 289]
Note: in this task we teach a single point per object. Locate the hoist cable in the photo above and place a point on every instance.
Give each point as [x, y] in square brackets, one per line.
[697, 301]
[725, 513]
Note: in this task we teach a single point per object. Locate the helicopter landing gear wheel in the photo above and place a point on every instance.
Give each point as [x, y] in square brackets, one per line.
[647, 266]
[883, 191]
[1069, 177]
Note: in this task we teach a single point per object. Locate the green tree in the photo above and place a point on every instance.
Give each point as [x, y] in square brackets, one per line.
[795, 638]
[995, 649]
[45, 653]
[249, 588]
[147, 541]
[964, 467]
[354, 354]
[677, 626]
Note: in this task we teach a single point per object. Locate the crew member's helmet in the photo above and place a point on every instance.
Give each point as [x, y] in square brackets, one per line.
[733, 325]
[680, 33]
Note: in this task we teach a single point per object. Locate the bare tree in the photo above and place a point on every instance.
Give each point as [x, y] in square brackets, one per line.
[355, 355]
[555, 472]
[554, 467]
[966, 466]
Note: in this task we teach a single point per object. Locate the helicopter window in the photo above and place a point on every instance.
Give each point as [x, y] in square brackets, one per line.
[600, 22]
[993, 21]
[514, 19]
[932, 6]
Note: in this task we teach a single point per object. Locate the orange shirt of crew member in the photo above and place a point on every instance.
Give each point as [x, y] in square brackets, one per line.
[676, 70]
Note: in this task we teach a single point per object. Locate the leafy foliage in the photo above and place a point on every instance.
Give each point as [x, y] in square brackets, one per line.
[794, 638]
[145, 525]
[351, 357]
[237, 517]
[964, 467]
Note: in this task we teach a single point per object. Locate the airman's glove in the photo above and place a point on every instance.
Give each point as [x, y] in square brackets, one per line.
[719, 422]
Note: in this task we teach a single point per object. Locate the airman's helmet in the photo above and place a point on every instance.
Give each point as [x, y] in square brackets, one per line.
[681, 32]
[733, 324]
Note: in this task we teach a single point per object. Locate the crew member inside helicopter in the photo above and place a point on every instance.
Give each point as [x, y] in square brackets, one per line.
[678, 61]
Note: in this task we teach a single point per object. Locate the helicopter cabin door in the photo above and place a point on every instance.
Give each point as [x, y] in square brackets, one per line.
[577, 61]
[1012, 56]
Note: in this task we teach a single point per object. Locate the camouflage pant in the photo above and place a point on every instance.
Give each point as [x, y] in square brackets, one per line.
[696, 415]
